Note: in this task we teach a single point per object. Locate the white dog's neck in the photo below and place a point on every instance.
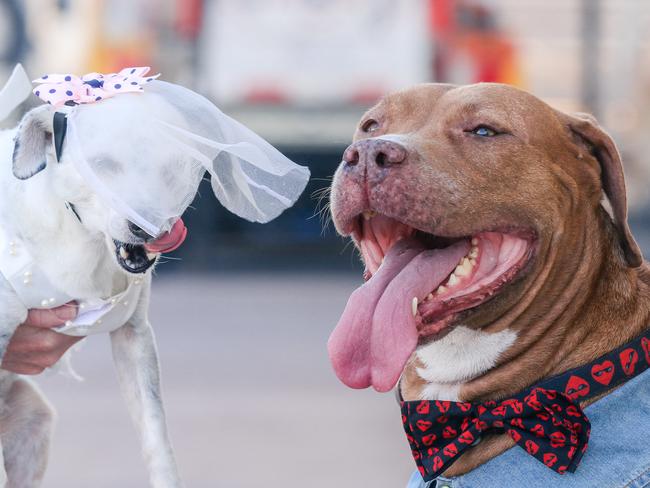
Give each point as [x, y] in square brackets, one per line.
[460, 356]
[66, 252]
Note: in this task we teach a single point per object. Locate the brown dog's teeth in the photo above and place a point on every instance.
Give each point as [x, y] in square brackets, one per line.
[123, 253]
[473, 252]
[464, 268]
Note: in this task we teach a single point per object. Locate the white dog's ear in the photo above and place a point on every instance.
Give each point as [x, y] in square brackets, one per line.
[32, 142]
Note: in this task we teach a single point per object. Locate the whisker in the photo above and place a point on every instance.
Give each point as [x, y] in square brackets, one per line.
[170, 258]
[322, 210]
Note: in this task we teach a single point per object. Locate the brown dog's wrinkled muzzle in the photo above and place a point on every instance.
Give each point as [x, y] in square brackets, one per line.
[417, 281]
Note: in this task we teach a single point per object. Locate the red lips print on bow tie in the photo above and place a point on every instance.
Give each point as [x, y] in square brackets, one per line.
[429, 439]
[558, 439]
[576, 387]
[423, 408]
[550, 459]
[450, 450]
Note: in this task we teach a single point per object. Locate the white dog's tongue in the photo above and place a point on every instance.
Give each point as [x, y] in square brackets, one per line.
[169, 241]
[377, 332]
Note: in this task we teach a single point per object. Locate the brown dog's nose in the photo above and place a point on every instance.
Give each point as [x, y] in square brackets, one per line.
[377, 151]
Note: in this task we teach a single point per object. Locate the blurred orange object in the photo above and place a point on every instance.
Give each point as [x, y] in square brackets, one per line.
[469, 46]
[124, 35]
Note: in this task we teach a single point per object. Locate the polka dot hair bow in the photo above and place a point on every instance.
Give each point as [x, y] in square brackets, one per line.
[67, 89]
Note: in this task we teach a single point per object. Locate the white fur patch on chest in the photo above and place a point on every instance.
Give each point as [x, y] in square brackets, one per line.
[461, 355]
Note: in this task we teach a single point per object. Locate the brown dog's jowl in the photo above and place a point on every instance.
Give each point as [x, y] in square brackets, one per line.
[491, 259]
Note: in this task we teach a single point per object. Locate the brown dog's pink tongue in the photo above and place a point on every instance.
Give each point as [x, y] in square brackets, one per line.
[394, 331]
[377, 332]
[169, 241]
[349, 345]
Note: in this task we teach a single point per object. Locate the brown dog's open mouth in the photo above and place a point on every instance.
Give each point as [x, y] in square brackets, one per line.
[416, 285]
[493, 259]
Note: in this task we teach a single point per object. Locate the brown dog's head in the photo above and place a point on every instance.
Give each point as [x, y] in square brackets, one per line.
[458, 199]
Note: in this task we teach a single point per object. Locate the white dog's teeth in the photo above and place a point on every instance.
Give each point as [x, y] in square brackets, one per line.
[430, 296]
[151, 256]
[441, 289]
[414, 306]
[474, 241]
[123, 253]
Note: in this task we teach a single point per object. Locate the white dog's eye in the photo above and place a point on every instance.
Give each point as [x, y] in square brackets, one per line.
[106, 165]
[484, 131]
[370, 125]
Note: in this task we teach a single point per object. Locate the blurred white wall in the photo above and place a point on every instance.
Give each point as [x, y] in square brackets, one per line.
[314, 52]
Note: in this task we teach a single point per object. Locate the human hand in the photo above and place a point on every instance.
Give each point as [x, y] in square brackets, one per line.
[34, 345]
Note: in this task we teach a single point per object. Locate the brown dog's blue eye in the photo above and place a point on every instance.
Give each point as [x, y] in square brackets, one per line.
[484, 131]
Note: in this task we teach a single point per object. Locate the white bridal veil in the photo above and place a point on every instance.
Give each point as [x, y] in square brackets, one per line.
[146, 153]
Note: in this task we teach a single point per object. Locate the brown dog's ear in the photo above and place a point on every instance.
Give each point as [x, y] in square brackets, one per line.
[603, 148]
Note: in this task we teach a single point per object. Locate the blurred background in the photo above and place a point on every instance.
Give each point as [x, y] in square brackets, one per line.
[243, 311]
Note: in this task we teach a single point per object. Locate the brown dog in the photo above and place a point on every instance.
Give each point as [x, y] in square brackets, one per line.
[508, 267]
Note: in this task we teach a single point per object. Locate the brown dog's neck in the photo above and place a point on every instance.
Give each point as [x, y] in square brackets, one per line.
[592, 304]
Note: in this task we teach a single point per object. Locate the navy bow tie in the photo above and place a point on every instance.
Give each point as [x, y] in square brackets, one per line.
[546, 420]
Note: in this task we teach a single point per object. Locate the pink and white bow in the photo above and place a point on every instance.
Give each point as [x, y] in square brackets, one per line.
[59, 90]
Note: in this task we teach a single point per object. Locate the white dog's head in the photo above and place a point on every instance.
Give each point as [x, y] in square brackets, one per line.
[130, 165]
[125, 161]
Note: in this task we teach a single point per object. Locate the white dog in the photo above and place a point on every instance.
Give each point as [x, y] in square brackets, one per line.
[65, 233]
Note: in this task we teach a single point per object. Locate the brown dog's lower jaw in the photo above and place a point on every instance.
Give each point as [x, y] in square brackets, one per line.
[493, 260]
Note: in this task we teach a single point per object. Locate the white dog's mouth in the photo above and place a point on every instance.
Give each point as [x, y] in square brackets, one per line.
[134, 258]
